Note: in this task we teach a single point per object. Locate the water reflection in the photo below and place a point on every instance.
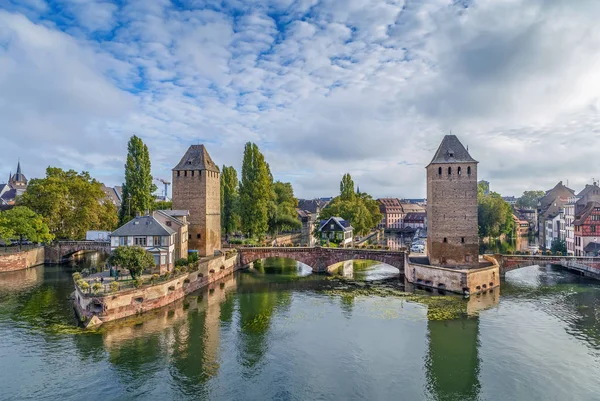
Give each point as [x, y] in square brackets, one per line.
[21, 280]
[365, 270]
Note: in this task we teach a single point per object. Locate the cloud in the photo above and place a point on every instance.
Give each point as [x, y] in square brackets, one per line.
[324, 88]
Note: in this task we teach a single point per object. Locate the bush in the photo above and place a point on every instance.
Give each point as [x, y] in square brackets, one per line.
[138, 282]
[181, 262]
[559, 253]
[114, 286]
[76, 276]
[177, 271]
[192, 257]
[84, 285]
[167, 275]
[96, 287]
[549, 253]
[517, 252]
[154, 278]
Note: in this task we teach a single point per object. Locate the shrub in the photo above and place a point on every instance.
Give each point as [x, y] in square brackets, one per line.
[114, 286]
[539, 252]
[96, 287]
[177, 271]
[138, 282]
[517, 252]
[84, 285]
[558, 253]
[548, 253]
[181, 262]
[167, 275]
[193, 257]
[154, 278]
[76, 276]
[387, 248]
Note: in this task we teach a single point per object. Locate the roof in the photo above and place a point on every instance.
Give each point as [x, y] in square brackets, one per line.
[7, 193]
[312, 205]
[452, 151]
[175, 213]
[585, 213]
[196, 158]
[415, 217]
[112, 195]
[343, 224]
[554, 208]
[559, 190]
[592, 247]
[142, 226]
[587, 189]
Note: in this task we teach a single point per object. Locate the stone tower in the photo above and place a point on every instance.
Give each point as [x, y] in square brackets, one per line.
[197, 188]
[452, 229]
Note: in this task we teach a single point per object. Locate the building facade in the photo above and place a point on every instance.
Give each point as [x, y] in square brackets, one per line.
[452, 226]
[196, 187]
[336, 230]
[150, 234]
[176, 220]
[587, 230]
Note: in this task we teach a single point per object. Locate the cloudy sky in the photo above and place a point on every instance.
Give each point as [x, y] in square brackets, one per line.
[323, 87]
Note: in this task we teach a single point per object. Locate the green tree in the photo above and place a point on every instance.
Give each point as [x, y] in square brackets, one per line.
[494, 214]
[138, 186]
[530, 199]
[23, 222]
[70, 203]
[558, 245]
[360, 209]
[162, 205]
[134, 258]
[282, 208]
[347, 188]
[6, 233]
[255, 192]
[229, 200]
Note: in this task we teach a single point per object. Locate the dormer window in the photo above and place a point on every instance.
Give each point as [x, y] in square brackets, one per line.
[451, 154]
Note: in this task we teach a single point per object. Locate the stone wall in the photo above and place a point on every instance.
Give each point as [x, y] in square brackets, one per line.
[452, 230]
[455, 280]
[200, 193]
[108, 307]
[21, 260]
[294, 238]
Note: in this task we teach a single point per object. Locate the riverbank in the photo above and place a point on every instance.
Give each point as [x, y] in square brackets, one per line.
[21, 260]
[96, 309]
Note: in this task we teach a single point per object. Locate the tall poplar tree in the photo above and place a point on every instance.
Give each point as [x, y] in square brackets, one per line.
[229, 200]
[138, 186]
[255, 192]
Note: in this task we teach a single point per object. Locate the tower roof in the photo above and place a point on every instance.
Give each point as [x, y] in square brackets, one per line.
[196, 158]
[452, 151]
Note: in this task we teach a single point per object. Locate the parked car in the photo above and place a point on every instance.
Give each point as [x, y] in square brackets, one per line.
[417, 248]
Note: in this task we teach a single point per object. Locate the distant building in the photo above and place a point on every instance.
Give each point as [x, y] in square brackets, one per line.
[16, 186]
[308, 221]
[394, 212]
[587, 230]
[559, 195]
[112, 195]
[511, 200]
[313, 206]
[574, 207]
[94, 235]
[197, 188]
[150, 234]
[415, 220]
[452, 229]
[336, 230]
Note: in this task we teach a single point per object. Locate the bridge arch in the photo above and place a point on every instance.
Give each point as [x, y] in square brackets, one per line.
[320, 259]
[60, 251]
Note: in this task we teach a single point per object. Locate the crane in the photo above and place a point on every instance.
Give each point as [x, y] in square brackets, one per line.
[166, 184]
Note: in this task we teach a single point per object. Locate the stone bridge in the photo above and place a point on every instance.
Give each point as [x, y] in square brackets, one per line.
[587, 266]
[320, 259]
[61, 251]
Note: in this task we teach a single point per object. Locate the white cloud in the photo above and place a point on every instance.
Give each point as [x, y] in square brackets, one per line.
[325, 87]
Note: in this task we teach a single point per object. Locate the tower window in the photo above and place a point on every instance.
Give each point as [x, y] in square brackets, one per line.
[439, 171]
[198, 235]
[459, 171]
[445, 240]
[185, 173]
[469, 170]
[449, 170]
[462, 240]
[192, 173]
[178, 173]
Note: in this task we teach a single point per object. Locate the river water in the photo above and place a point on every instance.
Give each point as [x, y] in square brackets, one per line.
[274, 333]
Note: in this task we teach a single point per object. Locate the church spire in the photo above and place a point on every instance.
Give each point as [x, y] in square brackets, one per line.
[19, 168]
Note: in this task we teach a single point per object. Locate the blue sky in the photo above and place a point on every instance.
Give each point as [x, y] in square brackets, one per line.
[324, 87]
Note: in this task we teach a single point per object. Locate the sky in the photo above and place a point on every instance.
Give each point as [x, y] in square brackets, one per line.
[324, 87]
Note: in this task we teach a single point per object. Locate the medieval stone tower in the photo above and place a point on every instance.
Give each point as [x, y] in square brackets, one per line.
[452, 229]
[197, 188]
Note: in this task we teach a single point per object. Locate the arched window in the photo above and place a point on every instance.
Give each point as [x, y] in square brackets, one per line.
[445, 240]
[439, 171]
[459, 171]
[449, 170]
[469, 170]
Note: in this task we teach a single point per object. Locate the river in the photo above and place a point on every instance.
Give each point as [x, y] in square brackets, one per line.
[277, 332]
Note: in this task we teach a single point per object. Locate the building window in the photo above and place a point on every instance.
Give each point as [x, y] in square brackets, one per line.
[449, 170]
[469, 170]
[468, 258]
[189, 236]
[164, 240]
[168, 224]
[332, 226]
[178, 173]
[141, 241]
[192, 173]
[156, 241]
[445, 240]
[462, 240]
[439, 171]
[163, 259]
[198, 235]
[123, 241]
[185, 173]
[459, 171]
[156, 260]
[593, 229]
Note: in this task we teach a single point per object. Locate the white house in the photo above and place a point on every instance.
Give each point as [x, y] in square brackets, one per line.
[150, 234]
